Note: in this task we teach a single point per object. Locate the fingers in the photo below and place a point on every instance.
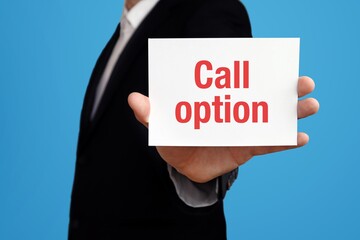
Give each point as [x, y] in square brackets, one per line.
[307, 107]
[305, 86]
[302, 139]
[141, 106]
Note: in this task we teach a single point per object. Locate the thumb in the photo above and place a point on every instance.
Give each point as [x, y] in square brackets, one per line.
[140, 104]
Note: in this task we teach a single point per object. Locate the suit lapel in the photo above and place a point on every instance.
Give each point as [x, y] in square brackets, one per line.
[137, 42]
[85, 124]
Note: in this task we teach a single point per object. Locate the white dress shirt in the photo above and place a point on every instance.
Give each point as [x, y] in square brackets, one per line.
[191, 193]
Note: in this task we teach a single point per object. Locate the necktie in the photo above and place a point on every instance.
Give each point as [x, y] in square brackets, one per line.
[125, 34]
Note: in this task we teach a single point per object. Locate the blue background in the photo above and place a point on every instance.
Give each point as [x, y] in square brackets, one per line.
[47, 52]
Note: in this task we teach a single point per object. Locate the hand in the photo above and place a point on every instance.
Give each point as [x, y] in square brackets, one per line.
[201, 164]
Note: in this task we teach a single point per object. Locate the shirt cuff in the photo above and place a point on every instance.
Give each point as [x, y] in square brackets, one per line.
[194, 194]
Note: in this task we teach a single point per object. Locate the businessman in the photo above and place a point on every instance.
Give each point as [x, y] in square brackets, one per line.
[124, 189]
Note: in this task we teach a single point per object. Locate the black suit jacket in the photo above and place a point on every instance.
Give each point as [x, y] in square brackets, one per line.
[122, 188]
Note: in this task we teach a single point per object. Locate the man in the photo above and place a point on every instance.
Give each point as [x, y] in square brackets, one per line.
[124, 189]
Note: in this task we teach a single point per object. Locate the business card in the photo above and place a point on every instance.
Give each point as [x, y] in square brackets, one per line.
[223, 91]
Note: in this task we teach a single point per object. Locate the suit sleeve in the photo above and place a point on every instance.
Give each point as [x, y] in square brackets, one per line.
[226, 18]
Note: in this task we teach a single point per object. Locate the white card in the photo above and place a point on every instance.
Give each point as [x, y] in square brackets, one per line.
[223, 91]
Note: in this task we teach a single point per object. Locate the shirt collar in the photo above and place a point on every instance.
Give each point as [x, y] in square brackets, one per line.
[138, 12]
